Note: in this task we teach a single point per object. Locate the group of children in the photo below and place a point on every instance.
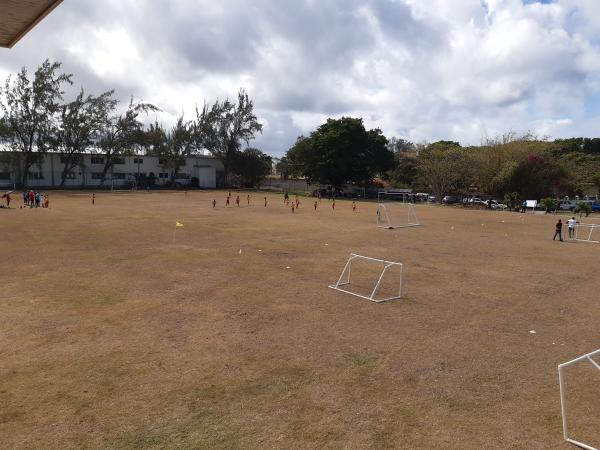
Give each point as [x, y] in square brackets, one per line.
[30, 199]
[35, 199]
[294, 205]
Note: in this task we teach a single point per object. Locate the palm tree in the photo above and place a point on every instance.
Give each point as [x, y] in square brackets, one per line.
[583, 208]
[547, 203]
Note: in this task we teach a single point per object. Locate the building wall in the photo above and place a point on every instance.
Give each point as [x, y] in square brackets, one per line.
[88, 173]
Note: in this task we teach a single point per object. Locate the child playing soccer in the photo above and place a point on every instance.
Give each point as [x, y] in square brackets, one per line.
[248, 199]
[265, 202]
[227, 201]
[237, 200]
[353, 206]
[214, 203]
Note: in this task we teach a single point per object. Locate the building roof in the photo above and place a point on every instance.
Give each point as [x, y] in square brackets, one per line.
[17, 17]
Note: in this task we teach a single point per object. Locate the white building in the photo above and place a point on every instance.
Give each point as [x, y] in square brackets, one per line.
[128, 171]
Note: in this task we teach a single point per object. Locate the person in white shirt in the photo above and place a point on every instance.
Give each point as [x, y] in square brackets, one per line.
[571, 224]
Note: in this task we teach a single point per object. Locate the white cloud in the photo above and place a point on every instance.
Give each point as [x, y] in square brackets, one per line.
[424, 70]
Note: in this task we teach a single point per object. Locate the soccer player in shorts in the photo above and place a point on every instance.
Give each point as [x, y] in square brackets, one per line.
[353, 206]
[571, 225]
[227, 201]
[237, 200]
[248, 199]
[214, 203]
[265, 202]
[315, 205]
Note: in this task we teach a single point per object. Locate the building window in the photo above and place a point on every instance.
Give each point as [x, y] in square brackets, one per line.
[97, 159]
[96, 175]
[119, 161]
[163, 175]
[162, 161]
[71, 176]
[138, 160]
[36, 176]
[119, 176]
[4, 175]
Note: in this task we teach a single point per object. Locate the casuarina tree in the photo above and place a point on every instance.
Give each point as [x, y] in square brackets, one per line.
[30, 113]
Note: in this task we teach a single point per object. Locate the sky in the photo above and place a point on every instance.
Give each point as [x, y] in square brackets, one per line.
[422, 70]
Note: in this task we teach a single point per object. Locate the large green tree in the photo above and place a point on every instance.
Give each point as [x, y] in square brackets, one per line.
[223, 127]
[537, 176]
[81, 122]
[30, 110]
[342, 151]
[251, 166]
[446, 168]
[122, 134]
[172, 146]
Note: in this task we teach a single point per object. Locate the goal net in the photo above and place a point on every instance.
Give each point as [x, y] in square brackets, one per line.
[395, 195]
[397, 215]
[587, 232]
[586, 425]
[370, 278]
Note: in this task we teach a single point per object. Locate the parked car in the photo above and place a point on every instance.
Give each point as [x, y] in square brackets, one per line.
[474, 201]
[450, 199]
[567, 205]
[497, 205]
[596, 206]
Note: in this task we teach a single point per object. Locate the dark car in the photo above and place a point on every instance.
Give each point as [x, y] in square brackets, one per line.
[450, 199]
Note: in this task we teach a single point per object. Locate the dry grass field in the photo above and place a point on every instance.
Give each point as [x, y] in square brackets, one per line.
[113, 334]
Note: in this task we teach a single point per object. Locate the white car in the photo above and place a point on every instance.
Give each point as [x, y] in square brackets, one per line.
[496, 205]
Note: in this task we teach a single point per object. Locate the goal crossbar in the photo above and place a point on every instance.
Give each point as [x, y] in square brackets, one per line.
[585, 235]
[385, 221]
[344, 278]
[589, 357]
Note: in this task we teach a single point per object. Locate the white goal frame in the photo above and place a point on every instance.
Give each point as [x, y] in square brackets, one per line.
[384, 220]
[589, 357]
[586, 237]
[344, 278]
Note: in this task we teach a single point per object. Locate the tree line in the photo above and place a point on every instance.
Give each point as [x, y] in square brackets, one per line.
[509, 167]
[35, 119]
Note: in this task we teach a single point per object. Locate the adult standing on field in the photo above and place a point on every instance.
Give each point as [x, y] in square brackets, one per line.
[571, 225]
[558, 230]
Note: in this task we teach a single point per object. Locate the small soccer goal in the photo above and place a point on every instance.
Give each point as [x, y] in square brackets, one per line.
[587, 232]
[371, 278]
[397, 215]
[589, 358]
